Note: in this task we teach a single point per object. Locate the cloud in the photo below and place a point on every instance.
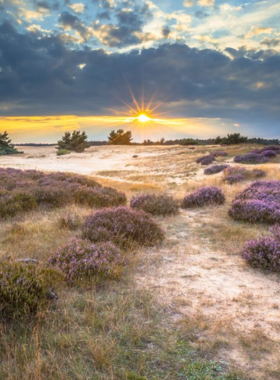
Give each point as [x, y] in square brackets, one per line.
[206, 3]
[256, 31]
[77, 7]
[271, 42]
[44, 77]
[188, 3]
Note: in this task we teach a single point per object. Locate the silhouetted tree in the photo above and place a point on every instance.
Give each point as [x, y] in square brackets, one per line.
[120, 137]
[74, 142]
[6, 146]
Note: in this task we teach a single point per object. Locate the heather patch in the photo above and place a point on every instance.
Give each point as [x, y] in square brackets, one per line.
[235, 174]
[251, 158]
[22, 191]
[205, 160]
[123, 226]
[269, 153]
[161, 204]
[214, 169]
[264, 253]
[24, 289]
[82, 259]
[203, 197]
[260, 202]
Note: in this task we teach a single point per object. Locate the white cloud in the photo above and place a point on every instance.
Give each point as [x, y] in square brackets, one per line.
[206, 3]
[77, 7]
[256, 31]
[82, 66]
[37, 28]
[188, 3]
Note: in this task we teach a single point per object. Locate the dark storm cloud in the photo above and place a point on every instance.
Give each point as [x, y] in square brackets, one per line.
[69, 20]
[46, 5]
[42, 76]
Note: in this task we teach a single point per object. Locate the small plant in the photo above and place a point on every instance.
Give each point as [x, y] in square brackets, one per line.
[12, 204]
[83, 259]
[62, 152]
[258, 203]
[69, 221]
[264, 253]
[205, 160]
[204, 196]
[161, 204]
[214, 169]
[24, 289]
[123, 226]
[251, 158]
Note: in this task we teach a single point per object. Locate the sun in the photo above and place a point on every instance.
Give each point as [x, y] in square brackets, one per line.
[143, 118]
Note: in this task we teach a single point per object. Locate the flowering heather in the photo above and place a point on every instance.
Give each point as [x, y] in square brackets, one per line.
[219, 153]
[23, 290]
[263, 253]
[251, 158]
[204, 196]
[51, 190]
[205, 160]
[275, 148]
[269, 153]
[260, 202]
[83, 259]
[214, 169]
[161, 204]
[235, 174]
[123, 226]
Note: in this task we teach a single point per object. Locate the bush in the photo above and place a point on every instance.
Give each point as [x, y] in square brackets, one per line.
[269, 153]
[103, 197]
[204, 196]
[205, 160]
[251, 158]
[74, 142]
[215, 169]
[260, 202]
[236, 174]
[123, 226]
[24, 289]
[69, 221]
[155, 204]
[13, 204]
[83, 259]
[219, 153]
[275, 148]
[263, 253]
[62, 152]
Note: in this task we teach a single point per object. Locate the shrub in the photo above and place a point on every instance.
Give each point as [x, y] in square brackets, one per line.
[69, 221]
[275, 148]
[54, 195]
[219, 153]
[236, 174]
[123, 226]
[204, 196]
[12, 204]
[205, 160]
[161, 204]
[215, 169]
[83, 259]
[269, 153]
[75, 141]
[62, 152]
[251, 158]
[260, 202]
[103, 197]
[263, 253]
[24, 289]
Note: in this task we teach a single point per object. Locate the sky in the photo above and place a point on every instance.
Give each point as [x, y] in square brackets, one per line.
[197, 68]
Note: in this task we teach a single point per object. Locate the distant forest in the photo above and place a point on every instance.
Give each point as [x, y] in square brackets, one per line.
[230, 139]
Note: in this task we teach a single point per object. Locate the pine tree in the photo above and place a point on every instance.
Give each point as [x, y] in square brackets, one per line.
[75, 142]
[6, 146]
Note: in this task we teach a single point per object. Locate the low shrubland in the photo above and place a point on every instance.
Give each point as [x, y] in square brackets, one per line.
[251, 158]
[260, 202]
[214, 169]
[22, 191]
[24, 289]
[205, 160]
[204, 196]
[122, 226]
[155, 204]
[235, 174]
[264, 253]
[80, 259]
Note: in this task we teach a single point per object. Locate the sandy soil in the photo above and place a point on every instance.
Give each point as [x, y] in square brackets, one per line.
[223, 306]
